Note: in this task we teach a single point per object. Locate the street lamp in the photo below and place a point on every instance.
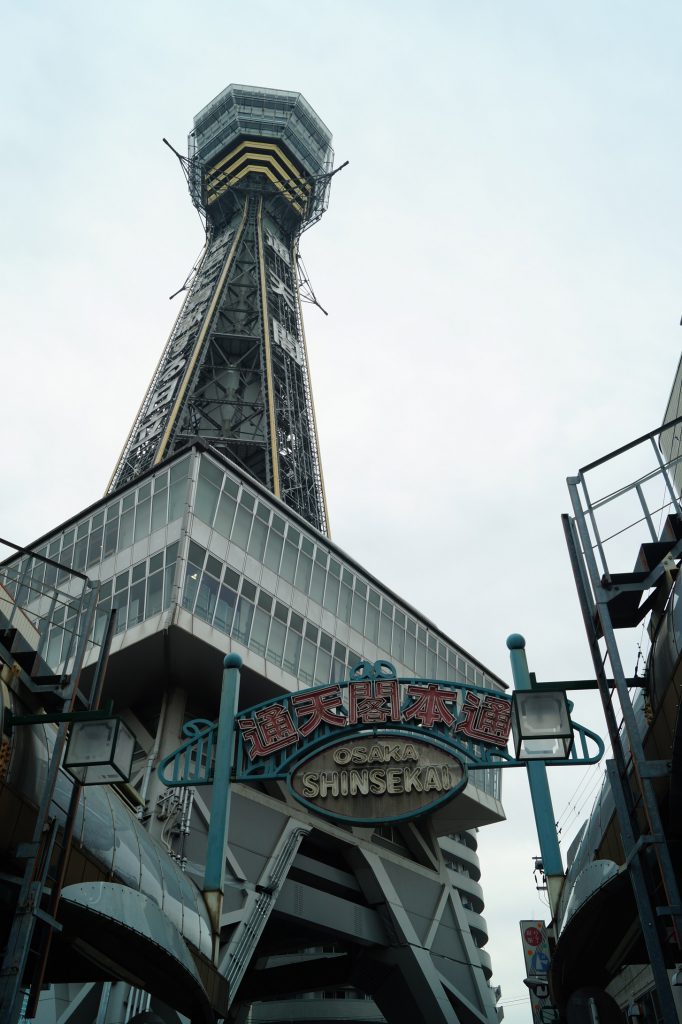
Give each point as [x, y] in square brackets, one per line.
[99, 751]
[541, 725]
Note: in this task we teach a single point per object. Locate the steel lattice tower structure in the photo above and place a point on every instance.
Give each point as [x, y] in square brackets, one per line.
[235, 370]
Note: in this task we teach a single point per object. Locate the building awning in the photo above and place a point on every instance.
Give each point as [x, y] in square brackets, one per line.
[602, 936]
[129, 938]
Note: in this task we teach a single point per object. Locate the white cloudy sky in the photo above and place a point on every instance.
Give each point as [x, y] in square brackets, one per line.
[500, 262]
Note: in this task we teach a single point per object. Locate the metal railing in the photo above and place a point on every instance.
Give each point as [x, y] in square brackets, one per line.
[612, 580]
[50, 606]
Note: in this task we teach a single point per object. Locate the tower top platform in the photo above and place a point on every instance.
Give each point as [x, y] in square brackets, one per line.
[281, 123]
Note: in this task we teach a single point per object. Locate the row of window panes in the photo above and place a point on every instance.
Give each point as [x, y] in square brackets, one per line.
[229, 602]
[216, 593]
[139, 592]
[252, 526]
[136, 594]
[65, 625]
[152, 506]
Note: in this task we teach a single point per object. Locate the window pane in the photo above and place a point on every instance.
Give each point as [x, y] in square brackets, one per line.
[331, 594]
[169, 575]
[242, 620]
[357, 618]
[209, 471]
[409, 651]
[259, 533]
[207, 597]
[227, 599]
[273, 549]
[136, 604]
[196, 554]
[276, 641]
[213, 565]
[308, 655]
[95, 546]
[191, 586]
[303, 571]
[206, 501]
[421, 660]
[231, 486]
[176, 497]
[159, 508]
[398, 645]
[323, 667]
[142, 519]
[288, 567]
[292, 651]
[154, 593]
[372, 625]
[179, 471]
[385, 627]
[110, 538]
[259, 633]
[79, 555]
[225, 515]
[345, 603]
[125, 533]
[242, 527]
[317, 583]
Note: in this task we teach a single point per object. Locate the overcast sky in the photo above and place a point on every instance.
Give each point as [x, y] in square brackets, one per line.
[500, 262]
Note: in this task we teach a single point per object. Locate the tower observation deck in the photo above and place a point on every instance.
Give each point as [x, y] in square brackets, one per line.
[234, 371]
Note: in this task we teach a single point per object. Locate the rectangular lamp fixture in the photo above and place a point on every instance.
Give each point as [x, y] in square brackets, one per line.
[541, 725]
[99, 752]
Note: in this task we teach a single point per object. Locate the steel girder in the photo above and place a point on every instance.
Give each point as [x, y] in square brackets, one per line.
[235, 369]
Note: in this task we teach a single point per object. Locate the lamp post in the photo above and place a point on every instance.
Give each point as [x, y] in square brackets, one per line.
[214, 872]
[542, 731]
[113, 758]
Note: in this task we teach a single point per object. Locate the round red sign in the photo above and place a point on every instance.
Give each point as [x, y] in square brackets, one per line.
[532, 936]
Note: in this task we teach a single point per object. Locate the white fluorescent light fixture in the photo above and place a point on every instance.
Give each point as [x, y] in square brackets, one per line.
[99, 752]
[541, 725]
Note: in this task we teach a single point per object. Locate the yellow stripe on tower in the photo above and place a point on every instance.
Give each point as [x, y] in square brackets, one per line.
[200, 339]
[253, 144]
[264, 159]
[255, 169]
[268, 359]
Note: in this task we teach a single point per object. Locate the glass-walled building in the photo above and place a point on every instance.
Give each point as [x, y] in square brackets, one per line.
[198, 559]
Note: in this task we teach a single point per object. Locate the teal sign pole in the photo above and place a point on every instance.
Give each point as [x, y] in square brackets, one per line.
[214, 873]
[539, 787]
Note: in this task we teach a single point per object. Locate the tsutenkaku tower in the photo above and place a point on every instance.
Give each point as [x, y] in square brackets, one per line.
[235, 370]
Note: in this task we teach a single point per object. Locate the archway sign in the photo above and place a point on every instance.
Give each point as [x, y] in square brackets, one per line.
[375, 748]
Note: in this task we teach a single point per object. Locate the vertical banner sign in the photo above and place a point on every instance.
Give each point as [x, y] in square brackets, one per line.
[536, 958]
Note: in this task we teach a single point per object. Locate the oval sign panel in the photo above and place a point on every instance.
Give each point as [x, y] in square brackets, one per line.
[382, 776]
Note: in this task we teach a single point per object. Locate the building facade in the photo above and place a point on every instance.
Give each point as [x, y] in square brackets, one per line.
[213, 538]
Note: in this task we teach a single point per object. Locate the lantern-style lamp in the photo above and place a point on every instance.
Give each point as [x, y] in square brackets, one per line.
[99, 752]
[541, 725]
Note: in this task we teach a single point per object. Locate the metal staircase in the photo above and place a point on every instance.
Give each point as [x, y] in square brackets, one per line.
[45, 632]
[613, 600]
[45, 628]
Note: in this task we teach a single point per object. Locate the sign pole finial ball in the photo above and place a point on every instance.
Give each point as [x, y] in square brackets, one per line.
[516, 642]
[232, 660]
